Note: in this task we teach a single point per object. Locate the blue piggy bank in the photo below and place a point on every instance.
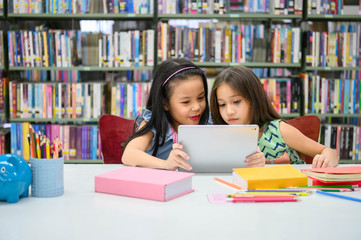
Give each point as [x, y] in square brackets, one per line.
[15, 178]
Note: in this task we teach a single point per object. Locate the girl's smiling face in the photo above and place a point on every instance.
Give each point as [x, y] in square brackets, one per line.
[187, 101]
[234, 109]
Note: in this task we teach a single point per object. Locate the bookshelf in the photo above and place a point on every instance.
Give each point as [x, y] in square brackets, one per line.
[17, 71]
[339, 108]
[269, 21]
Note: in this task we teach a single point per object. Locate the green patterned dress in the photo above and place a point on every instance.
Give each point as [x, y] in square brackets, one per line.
[273, 146]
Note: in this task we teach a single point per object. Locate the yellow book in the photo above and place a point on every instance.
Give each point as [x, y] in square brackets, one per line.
[26, 148]
[46, 54]
[273, 177]
[289, 46]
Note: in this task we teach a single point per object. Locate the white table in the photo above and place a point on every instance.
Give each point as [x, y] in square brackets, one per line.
[83, 214]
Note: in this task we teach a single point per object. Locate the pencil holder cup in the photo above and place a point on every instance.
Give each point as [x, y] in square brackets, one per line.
[48, 177]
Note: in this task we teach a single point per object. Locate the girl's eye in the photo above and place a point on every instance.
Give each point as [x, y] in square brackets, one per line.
[201, 98]
[237, 102]
[185, 102]
[2, 169]
[221, 105]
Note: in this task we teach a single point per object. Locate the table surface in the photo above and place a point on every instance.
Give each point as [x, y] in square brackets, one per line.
[81, 213]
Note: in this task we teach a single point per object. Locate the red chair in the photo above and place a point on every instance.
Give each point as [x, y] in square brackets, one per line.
[114, 133]
[310, 127]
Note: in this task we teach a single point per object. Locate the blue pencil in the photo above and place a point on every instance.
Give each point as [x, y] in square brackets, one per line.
[338, 195]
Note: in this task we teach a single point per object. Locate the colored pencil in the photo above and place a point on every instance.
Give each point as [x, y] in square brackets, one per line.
[327, 189]
[259, 196]
[47, 148]
[339, 196]
[38, 151]
[272, 194]
[276, 190]
[228, 183]
[263, 200]
[328, 186]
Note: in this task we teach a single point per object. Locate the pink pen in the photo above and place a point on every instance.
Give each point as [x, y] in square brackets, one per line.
[248, 199]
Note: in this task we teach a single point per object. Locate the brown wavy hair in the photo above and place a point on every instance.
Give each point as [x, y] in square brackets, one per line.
[247, 84]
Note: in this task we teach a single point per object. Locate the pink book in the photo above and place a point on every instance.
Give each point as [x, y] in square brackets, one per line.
[337, 170]
[73, 100]
[289, 97]
[55, 132]
[49, 101]
[147, 183]
[44, 101]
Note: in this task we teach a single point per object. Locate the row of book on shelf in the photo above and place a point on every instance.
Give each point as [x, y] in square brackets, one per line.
[339, 47]
[81, 6]
[88, 100]
[79, 142]
[128, 99]
[282, 7]
[76, 100]
[283, 93]
[56, 100]
[68, 48]
[335, 7]
[73, 76]
[322, 95]
[272, 72]
[229, 42]
[279, 7]
[214, 42]
[193, 6]
[345, 139]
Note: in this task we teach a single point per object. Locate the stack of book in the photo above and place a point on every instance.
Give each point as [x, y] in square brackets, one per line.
[334, 176]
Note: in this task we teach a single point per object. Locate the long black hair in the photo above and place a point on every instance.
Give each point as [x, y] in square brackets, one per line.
[160, 94]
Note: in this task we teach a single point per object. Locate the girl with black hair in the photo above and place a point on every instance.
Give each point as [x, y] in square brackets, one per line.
[178, 96]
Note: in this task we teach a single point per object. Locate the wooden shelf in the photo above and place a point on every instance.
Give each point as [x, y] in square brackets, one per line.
[332, 68]
[335, 115]
[87, 16]
[344, 161]
[248, 64]
[229, 16]
[81, 161]
[290, 115]
[335, 17]
[82, 68]
[56, 120]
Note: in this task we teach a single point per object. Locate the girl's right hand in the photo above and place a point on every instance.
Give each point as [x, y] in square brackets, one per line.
[177, 158]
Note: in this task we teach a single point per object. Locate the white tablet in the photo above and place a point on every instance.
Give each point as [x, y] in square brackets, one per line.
[218, 148]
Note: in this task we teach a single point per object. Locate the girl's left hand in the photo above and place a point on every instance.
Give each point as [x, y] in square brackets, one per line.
[256, 160]
[327, 158]
[320, 161]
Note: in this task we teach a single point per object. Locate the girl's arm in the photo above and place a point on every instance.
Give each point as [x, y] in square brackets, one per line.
[135, 155]
[322, 156]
